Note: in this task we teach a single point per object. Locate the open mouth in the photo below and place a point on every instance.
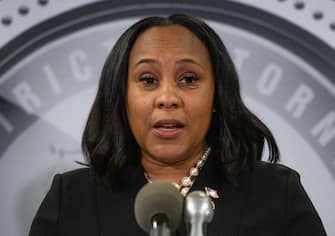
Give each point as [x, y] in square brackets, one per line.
[168, 124]
[168, 128]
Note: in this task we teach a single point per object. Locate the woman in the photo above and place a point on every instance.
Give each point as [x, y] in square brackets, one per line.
[169, 108]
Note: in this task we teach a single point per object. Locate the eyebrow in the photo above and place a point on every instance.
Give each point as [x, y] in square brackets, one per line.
[147, 60]
[181, 61]
[188, 60]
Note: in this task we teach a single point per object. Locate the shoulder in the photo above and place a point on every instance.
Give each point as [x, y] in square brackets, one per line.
[68, 205]
[75, 180]
[275, 195]
[279, 183]
[77, 190]
[80, 174]
[275, 168]
[271, 177]
[272, 171]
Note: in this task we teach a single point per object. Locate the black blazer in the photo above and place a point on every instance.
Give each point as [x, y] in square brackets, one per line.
[269, 201]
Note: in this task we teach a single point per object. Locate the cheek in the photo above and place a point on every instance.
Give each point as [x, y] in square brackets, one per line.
[200, 103]
[138, 115]
[200, 112]
[139, 108]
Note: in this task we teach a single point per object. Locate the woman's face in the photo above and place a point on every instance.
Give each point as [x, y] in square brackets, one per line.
[170, 93]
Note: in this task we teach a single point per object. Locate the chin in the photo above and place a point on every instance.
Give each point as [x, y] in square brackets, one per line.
[168, 155]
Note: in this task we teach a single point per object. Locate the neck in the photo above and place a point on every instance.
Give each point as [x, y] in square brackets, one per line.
[170, 172]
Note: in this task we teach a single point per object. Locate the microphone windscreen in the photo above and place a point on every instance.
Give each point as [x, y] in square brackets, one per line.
[155, 198]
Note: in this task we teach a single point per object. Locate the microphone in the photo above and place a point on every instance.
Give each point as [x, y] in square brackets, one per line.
[159, 208]
[199, 211]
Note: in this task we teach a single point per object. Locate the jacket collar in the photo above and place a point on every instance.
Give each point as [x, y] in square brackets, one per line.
[230, 204]
[116, 207]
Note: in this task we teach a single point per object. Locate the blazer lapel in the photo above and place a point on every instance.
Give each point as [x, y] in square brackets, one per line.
[230, 204]
[116, 206]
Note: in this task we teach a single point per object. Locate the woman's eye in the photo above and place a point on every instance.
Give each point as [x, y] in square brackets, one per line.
[148, 80]
[189, 79]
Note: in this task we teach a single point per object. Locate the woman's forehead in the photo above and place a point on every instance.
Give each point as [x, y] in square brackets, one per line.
[165, 41]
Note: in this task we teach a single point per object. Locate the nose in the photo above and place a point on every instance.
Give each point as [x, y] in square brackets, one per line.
[168, 97]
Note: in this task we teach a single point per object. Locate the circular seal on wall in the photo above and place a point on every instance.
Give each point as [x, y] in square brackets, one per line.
[49, 76]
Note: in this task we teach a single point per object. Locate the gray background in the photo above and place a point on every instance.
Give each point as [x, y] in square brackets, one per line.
[45, 99]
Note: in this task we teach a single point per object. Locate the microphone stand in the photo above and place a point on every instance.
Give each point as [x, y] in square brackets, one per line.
[160, 226]
[198, 212]
[197, 227]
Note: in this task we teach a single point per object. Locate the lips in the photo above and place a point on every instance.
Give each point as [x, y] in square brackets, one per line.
[169, 124]
[168, 128]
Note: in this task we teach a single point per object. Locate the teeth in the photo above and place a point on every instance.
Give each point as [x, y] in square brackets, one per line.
[169, 126]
